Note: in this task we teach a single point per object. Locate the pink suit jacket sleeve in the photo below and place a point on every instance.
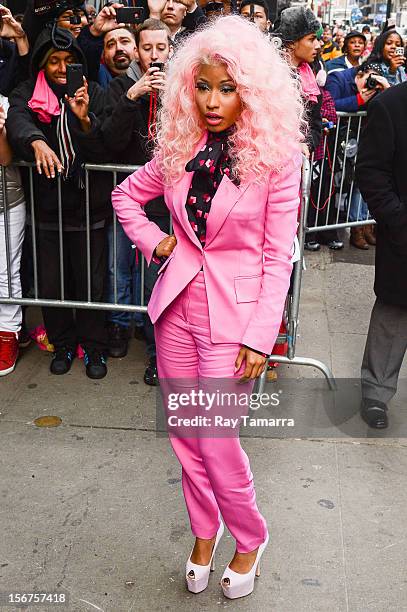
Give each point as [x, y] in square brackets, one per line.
[280, 230]
[128, 200]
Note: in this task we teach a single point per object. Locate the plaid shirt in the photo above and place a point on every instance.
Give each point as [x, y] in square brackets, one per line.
[327, 112]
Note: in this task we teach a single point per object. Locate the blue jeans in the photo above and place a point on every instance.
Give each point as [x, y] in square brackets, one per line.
[358, 210]
[128, 277]
[129, 280]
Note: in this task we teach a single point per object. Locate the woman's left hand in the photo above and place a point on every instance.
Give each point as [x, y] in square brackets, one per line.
[255, 364]
[79, 104]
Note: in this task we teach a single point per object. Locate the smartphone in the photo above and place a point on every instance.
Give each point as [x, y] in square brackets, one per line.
[399, 51]
[158, 65]
[130, 14]
[74, 78]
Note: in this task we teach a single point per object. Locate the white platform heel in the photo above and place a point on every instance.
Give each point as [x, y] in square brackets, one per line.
[236, 585]
[197, 576]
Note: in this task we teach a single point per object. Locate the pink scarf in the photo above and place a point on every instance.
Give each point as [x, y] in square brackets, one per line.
[309, 85]
[44, 102]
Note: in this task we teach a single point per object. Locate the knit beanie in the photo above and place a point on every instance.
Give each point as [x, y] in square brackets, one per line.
[295, 23]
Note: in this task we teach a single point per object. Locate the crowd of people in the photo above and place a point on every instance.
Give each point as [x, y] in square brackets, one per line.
[111, 118]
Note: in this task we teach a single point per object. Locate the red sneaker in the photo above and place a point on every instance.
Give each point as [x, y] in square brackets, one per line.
[8, 352]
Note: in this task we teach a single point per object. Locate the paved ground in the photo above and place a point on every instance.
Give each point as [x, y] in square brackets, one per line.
[94, 507]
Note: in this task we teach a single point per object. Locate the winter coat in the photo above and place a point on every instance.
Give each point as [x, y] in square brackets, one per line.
[382, 179]
[342, 87]
[24, 127]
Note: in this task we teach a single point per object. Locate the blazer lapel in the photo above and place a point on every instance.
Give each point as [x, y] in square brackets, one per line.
[180, 193]
[225, 198]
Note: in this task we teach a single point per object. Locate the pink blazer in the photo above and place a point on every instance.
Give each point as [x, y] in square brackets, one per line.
[247, 256]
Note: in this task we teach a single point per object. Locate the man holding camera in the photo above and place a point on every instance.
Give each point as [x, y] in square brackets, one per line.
[131, 106]
[382, 178]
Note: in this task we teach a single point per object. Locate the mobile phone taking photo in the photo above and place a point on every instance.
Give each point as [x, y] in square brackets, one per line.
[74, 78]
[130, 14]
[158, 65]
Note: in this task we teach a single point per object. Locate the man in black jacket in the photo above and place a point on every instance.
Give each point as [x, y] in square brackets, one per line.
[127, 130]
[382, 178]
[57, 133]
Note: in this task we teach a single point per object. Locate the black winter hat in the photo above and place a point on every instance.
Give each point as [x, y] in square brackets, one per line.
[59, 39]
[294, 23]
[353, 34]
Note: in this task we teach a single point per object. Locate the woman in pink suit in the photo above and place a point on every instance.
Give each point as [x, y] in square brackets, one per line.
[228, 164]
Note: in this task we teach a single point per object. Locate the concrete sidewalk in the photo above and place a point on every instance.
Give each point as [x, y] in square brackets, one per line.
[94, 507]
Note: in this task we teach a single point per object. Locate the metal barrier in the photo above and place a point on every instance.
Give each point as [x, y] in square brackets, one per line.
[115, 169]
[330, 201]
[292, 302]
[335, 200]
[293, 299]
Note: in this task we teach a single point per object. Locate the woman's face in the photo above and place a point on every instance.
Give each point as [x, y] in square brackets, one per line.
[392, 42]
[218, 102]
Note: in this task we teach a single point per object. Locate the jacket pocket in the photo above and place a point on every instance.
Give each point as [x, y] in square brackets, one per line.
[247, 288]
[165, 264]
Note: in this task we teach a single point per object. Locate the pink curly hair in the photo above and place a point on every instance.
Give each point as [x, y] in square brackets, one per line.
[268, 131]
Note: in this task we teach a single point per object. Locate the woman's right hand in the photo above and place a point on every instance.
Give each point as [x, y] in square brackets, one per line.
[45, 159]
[395, 62]
[152, 80]
[166, 246]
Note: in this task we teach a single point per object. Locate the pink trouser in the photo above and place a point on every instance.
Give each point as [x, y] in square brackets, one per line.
[216, 475]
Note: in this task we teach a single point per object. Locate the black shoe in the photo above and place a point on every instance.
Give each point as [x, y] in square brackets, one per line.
[374, 414]
[118, 340]
[151, 375]
[335, 245]
[139, 333]
[313, 245]
[61, 361]
[24, 339]
[95, 363]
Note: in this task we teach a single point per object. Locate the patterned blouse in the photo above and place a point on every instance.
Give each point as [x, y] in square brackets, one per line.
[209, 166]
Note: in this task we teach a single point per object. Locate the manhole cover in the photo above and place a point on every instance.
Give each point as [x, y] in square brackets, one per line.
[48, 421]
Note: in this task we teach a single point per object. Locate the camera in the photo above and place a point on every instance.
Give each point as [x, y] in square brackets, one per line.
[371, 82]
[75, 19]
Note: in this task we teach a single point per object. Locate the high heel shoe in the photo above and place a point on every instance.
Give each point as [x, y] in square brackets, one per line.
[197, 576]
[236, 585]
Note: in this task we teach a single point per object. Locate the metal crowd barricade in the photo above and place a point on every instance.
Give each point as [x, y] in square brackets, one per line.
[292, 306]
[335, 200]
[292, 302]
[329, 211]
[37, 300]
